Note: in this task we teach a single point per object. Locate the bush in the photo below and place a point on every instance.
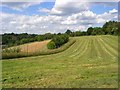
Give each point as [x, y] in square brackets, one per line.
[51, 45]
[58, 41]
[11, 50]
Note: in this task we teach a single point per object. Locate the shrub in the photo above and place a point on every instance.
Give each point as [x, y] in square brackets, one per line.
[58, 41]
[12, 50]
[51, 45]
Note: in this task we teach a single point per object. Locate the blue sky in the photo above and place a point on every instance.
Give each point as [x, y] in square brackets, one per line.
[32, 10]
[101, 8]
[55, 16]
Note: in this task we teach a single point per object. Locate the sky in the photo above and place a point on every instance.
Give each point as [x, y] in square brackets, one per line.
[54, 17]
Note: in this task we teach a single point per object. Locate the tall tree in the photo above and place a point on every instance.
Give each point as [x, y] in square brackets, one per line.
[89, 31]
[68, 32]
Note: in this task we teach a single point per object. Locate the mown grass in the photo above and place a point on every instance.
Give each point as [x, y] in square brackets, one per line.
[91, 62]
[44, 51]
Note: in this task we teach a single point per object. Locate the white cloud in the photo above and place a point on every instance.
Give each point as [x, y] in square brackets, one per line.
[100, 20]
[29, 24]
[113, 11]
[89, 14]
[33, 24]
[107, 16]
[69, 22]
[52, 23]
[64, 15]
[68, 7]
[82, 18]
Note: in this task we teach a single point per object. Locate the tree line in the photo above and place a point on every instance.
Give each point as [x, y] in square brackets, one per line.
[11, 39]
[109, 28]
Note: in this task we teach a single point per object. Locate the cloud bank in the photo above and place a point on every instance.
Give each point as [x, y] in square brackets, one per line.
[64, 15]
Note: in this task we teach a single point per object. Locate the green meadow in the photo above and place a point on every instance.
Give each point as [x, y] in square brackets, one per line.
[91, 62]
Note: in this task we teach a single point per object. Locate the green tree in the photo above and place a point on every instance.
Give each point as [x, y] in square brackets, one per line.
[89, 31]
[78, 33]
[68, 32]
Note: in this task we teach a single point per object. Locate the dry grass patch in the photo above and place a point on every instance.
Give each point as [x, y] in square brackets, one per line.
[32, 47]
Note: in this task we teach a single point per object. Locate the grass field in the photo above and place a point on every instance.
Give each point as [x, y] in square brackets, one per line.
[91, 62]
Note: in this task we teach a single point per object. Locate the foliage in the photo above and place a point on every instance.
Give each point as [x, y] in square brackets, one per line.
[76, 33]
[110, 28]
[11, 50]
[68, 32]
[51, 45]
[12, 39]
[58, 41]
[89, 31]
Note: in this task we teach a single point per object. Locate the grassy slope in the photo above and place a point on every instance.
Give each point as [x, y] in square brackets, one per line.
[36, 49]
[89, 62]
